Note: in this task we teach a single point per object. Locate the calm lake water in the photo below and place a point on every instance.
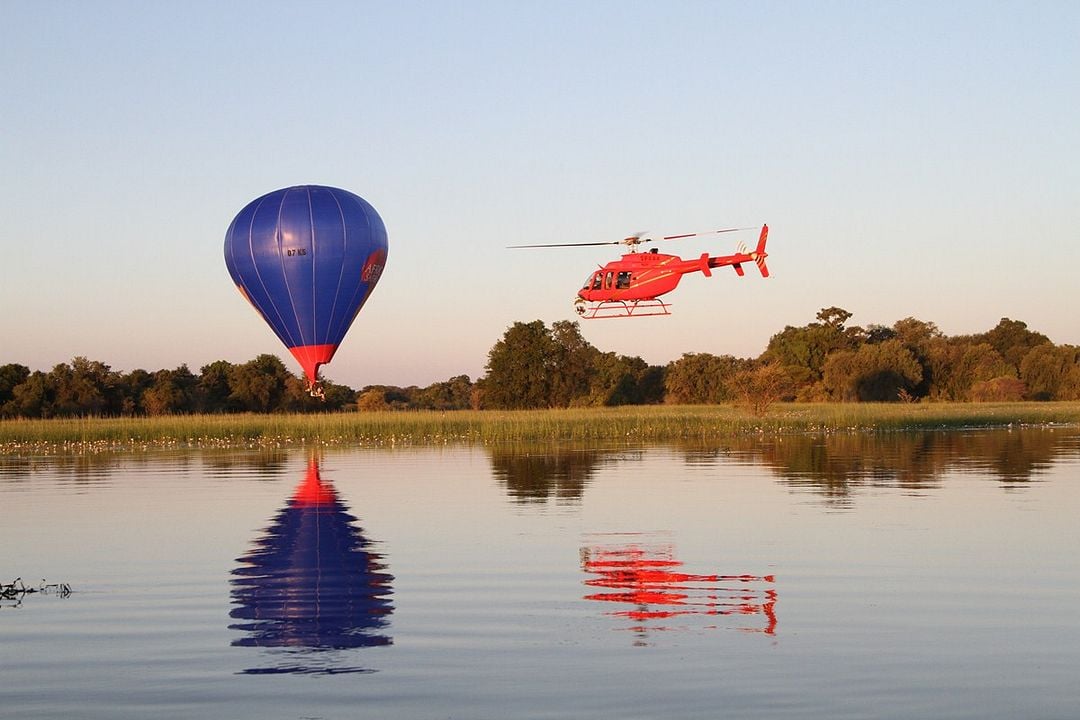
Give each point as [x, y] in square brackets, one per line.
[922, 575]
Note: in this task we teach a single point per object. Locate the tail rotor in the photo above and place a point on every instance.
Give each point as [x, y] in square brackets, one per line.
[759, 254]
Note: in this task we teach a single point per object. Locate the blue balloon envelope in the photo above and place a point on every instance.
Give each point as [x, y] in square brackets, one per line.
[307, 259]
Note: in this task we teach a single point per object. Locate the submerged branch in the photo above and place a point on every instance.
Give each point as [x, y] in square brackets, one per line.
[13, 593]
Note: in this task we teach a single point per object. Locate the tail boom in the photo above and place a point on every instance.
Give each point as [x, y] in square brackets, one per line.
[736, 261]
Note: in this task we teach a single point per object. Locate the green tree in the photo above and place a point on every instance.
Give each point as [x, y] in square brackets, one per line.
[170, 392]
[701, 378]
[258, 385]
[212, 391]
[372, 399]
[130, 387]
[1070, 384]
[921, 339]
[81, 388]
[32, 398]
[879, 333]
[916, 334]
[833, 317]
[519, 368]
[1052, 373]
[1012, 340]
[999, 389]
[802, 351]
[571, 365]
[958, 363]
[650, 382]
[625, 380]
[876, 372]
[388, 397]
[758, 388]
[11, 375]
[453, 394]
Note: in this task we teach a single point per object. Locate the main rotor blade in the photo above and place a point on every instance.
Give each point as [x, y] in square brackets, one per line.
[615, 242]
[635, 239]
[706, 232]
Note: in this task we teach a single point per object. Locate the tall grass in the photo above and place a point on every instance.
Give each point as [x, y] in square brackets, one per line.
[632, 424]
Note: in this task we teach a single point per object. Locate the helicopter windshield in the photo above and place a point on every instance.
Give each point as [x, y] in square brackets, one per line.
[593, 281]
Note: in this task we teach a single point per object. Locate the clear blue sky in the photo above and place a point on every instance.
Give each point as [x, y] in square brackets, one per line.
[911, 159]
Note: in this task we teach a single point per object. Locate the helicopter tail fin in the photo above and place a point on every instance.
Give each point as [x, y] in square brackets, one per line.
[759, 254]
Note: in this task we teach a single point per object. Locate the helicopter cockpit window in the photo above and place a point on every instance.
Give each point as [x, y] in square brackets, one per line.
[622, 281]
[593, 281]
[607, 280]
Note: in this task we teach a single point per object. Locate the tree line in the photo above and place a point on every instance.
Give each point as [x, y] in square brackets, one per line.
[537, 366]
[826, 360]
[91, 388]
[914, 360]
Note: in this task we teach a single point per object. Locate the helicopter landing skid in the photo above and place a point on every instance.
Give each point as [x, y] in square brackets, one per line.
[622, 308]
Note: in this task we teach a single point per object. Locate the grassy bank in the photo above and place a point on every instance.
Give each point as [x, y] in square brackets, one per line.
[634, 424]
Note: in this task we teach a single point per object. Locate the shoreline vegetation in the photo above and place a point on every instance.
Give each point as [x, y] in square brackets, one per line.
[429, 428]
[535, 366]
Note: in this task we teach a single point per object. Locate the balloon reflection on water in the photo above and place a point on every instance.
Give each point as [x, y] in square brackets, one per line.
[646, 583]
[311, 587]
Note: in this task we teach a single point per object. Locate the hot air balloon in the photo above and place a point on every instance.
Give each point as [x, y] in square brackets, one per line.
[307, 258]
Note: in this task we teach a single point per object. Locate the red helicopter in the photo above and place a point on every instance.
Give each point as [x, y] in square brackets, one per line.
[632, 286]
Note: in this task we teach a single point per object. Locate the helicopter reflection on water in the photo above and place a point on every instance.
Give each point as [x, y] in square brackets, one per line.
[648, 579]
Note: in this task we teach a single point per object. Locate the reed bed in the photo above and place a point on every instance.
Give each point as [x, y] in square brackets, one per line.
[419, 428]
